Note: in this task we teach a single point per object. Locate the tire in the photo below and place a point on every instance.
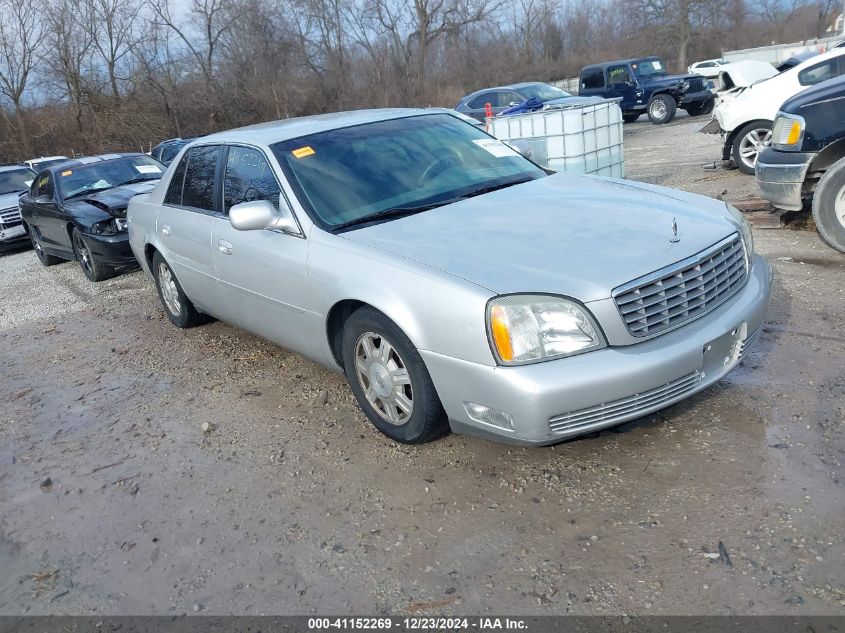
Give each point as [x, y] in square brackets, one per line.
[44, 258]
[703, 107]
[177, 306]
[630, 117]
[406, 410]
[749, 142]
[93, 269]
[661, 109]
[829, 206]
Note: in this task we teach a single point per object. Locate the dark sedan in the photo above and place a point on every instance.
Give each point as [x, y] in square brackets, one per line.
[76, 210]
[504, 97]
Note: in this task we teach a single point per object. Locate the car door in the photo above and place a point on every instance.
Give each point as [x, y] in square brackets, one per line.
[621, 85]
[44, 214]
[262, 274]
[592, 81]
[185, 223]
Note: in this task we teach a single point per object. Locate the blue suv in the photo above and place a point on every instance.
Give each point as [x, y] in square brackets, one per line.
[644, 86]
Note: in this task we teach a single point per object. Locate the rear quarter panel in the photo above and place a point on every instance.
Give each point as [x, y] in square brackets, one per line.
[142, 214]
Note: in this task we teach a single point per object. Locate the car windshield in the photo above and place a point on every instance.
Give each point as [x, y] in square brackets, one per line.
[400, 166]
[648, 68]
[16, 180]
[80, 179]
[544, 92]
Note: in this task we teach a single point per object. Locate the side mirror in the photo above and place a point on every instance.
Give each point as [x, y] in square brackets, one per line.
[43, 199]
[257, 215]
[513, 103]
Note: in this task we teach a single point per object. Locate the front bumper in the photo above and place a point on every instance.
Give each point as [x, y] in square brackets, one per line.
[556, 400]
[695, 97]
[12, 236]
[113, 250]
[781, 177]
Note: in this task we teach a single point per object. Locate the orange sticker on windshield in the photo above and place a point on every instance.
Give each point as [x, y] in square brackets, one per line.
[67, 173]
[302, 152]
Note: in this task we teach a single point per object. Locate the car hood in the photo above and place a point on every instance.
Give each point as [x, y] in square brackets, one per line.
[579, 236]
[9, 200]
[667, 80]
[574, 101]
[115, 200]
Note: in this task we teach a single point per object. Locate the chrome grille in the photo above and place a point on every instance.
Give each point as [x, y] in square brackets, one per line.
[626, 408]
[683, 291]
[10, 216]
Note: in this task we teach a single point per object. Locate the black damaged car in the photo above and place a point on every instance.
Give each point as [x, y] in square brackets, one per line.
[76, 210]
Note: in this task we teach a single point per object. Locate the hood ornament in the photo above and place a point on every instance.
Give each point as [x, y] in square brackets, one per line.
[675, 237]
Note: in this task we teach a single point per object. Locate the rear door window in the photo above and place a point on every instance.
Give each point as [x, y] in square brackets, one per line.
[823, 71]
[174, 189]
[592, 78]
[198, 190]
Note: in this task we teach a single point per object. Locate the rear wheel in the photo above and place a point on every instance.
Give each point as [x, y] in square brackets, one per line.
[702, 107]
[44, 258]
[177, 306]
[829, 206]
[630, 117]
[752, 139]
[390, 380]
[661, 109]
[93, 269]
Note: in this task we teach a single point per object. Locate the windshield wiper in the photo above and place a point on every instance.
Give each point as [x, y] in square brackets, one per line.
[388, 214]
[133, 181]
[87, 190]
[401, 212]
[488, 188]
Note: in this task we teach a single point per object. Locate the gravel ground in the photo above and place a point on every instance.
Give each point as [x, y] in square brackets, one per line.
[151, 470]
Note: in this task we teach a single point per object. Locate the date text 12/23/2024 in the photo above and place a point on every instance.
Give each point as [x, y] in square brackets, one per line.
[418, 623]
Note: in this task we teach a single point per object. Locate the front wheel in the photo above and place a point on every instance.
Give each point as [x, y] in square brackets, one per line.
[752, 139]
[702, 107]
[661, 109]
[93, 268]
[829, 206]
[390, 380]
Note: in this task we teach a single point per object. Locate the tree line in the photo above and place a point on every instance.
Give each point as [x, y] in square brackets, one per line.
[87, 76]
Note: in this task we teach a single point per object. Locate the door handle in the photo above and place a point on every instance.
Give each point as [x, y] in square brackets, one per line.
[165, 229]
[224, 247]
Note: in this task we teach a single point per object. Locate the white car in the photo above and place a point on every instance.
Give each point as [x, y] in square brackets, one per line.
[746, 121]
[709, 68]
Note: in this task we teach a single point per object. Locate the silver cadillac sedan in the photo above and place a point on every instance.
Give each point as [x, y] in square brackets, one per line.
[455, 283]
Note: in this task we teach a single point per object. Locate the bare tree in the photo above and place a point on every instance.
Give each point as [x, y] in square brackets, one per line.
[21, 35]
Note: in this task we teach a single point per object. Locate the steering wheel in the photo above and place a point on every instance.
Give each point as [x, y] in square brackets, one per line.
[437, 167]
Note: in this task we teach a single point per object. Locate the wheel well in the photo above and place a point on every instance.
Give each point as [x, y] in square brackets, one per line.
[727, 153]
[149, 252]
[828, 156]
[335, 320]
[69, 230]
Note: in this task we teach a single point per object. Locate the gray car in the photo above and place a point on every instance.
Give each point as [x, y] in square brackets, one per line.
[503, 97]
[14, 180]
[453, 281]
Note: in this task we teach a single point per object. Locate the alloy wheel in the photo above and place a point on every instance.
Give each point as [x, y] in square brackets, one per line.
[839, 207]
[384, 378]
[169, 291]
[657, 109]
[84, 255]
[753, 143]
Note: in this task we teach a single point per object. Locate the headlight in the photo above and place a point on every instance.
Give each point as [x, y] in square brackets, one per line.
[685, 86]
[109, 227]
[745, 232]
[788, 132]
[532, 328]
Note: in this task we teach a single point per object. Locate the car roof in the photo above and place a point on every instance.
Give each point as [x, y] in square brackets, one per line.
[516, 86]
[276, 131]
[815, 59]
[13, 167]
[624, 61]
[86, 160]
[43, 158]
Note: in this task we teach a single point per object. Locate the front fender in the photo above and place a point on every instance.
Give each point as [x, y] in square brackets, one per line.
[437, 311]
